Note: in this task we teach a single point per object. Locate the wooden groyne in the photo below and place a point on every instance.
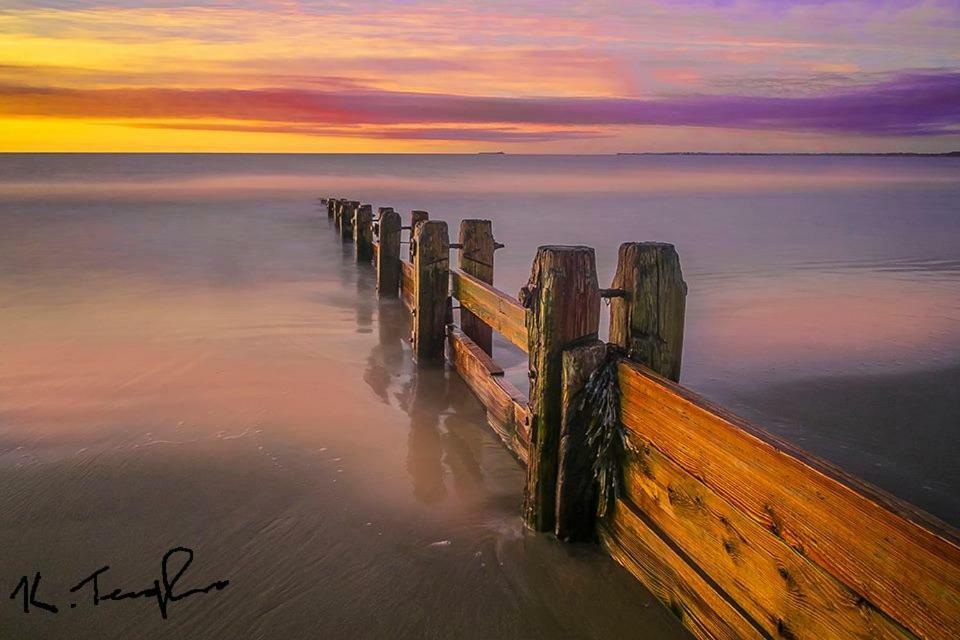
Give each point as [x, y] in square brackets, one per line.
[741, 534]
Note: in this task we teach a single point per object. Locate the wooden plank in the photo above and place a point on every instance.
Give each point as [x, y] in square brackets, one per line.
[707, 613]
[504, 314]
[506, 407]
[783, 592]
[901, 560]
[475, 258]
[406, 283]
[562, 300]
[647, 320]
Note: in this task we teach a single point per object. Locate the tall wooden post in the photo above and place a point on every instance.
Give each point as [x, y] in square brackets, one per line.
[346, 220]
[431, 266]
[363, 232]
[416, 217]
[562, 300]
[476, 258]
[576, 487]
[388, 257]
[647, 320]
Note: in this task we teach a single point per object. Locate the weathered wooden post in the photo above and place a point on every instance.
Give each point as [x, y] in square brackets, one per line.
[562, 300]
[388, 257]
[647, 318]
[416, 217]
[363, 232]
[576, 488]
[431, 266]
[476, 258]
[331, 207]
[346, 219]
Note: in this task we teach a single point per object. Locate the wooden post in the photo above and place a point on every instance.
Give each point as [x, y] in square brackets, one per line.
[648, 320]
[331, 206]
[416, 217]
[431, 267]
[576, 487]
[476, 258]
[346, 220]
[388, 258]
[363, 232]
[562, 300]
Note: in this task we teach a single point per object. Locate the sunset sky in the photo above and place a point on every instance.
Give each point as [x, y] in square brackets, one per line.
[535, 76]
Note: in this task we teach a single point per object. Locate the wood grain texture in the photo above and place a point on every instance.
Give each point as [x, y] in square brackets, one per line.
[782, 591]
[562, 300]
[431, 291]
[648, 320]
[507, 411]
[363, 232]
[902, 561]
[407, 280]
[495, 308]
[475, 258]
[576, 486]
[705, 611]
[388, 255]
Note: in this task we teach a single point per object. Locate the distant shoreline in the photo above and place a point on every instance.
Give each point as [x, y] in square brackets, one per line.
[948, 154]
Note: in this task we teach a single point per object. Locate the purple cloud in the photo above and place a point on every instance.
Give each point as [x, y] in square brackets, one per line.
[916, 104]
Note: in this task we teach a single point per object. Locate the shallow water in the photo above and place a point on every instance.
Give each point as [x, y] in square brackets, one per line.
[191, 357]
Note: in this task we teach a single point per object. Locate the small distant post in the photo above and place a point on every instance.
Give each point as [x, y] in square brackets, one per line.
[416, 217]
[431, 265]
[576, 488]
[339, 212]
[363, 232]
[475, 257]
[346, 220]
[647, 320]
[331, 206]
[388, 258]
[562, 299]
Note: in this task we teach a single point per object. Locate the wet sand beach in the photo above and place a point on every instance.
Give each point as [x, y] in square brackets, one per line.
[260, 408]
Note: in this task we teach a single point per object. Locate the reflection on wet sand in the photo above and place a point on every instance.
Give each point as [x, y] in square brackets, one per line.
[443, 428]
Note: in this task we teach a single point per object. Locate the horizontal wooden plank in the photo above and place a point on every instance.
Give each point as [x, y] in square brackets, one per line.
[782, 591]
[504, 314]
[706, 612]
[406, 283]
[507, 410]
[901, 560]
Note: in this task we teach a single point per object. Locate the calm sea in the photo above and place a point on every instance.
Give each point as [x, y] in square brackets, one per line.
[189, 355]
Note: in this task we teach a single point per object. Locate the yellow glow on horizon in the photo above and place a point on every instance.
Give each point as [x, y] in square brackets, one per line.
[76, 135]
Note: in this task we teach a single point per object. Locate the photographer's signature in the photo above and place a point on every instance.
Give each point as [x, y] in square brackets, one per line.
[165, 590]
